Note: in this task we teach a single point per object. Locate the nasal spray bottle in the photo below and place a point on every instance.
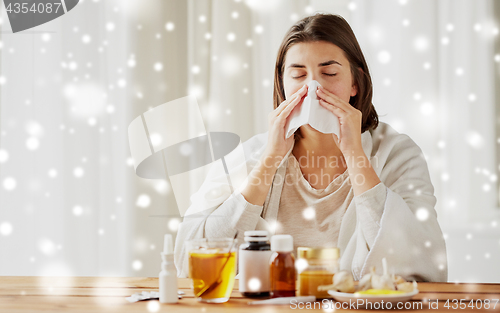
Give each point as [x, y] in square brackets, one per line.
[168, 274]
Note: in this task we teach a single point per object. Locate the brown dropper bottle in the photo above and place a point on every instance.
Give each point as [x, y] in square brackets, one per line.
[282, 267]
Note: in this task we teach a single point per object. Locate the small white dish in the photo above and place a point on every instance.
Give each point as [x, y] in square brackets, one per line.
[346, 297]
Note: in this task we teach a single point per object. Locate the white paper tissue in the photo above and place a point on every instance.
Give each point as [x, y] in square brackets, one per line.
[312, 113]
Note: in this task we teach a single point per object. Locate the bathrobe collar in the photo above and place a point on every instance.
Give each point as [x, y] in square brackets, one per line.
[271, 205]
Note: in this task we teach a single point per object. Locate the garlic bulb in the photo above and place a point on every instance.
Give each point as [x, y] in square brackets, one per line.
[384, 281]
[396, 279]
[365, 282]
[407, 286]
[342, 281]
[326, 287]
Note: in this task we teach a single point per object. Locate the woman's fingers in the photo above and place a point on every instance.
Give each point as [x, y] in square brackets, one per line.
[332, 108]
[286, 112]
[284, 104]
[333, 99]
[336, 105]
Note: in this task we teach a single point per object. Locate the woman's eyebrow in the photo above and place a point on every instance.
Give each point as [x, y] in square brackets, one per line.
[319, 65]
[329, 63]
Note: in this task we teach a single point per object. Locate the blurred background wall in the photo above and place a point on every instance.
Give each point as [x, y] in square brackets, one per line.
[70, 202]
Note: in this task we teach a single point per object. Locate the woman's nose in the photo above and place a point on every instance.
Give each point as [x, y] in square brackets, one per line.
[312, 77]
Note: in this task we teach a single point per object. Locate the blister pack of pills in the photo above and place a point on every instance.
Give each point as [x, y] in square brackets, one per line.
[148, 295]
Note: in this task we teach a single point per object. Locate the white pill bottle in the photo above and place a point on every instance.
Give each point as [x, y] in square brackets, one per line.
[253, 264]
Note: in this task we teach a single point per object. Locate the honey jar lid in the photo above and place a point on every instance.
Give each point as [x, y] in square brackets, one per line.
[318, 253]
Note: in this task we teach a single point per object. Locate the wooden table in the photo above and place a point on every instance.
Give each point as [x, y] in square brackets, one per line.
[107, 294]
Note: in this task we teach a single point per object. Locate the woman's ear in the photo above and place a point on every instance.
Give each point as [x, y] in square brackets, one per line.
[354, 87]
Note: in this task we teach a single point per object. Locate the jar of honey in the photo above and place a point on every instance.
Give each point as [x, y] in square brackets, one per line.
[316, 267]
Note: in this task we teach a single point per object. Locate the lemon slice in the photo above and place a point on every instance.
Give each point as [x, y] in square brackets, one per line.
[379, 292]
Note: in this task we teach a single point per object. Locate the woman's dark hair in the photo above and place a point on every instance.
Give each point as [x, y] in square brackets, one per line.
[334, 29]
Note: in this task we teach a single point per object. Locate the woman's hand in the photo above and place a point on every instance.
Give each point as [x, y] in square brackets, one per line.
[278, 145]
[261, 177]
[350, 120]
[363, 177]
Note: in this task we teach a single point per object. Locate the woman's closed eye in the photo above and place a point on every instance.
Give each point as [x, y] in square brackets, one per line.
[297, 77]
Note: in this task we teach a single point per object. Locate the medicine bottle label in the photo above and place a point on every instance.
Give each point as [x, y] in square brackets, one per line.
[254, 271]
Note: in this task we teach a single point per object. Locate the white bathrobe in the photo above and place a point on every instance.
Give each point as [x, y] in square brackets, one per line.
[395, 219]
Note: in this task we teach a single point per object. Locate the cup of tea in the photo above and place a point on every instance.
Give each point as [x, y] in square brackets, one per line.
[212, 267]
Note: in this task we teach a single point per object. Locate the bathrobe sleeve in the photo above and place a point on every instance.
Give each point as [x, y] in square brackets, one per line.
[396, 219]
[216, 210]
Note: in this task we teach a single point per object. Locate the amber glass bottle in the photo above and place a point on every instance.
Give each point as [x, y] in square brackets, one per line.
[282, 267]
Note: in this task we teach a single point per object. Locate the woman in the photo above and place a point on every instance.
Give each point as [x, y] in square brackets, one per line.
[366, 191]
